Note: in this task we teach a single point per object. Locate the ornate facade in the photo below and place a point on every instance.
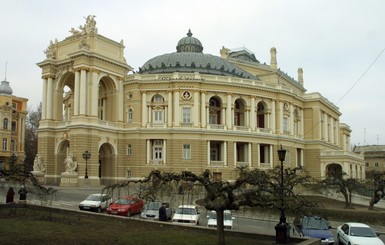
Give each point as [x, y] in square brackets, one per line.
[13, 113]
[184, 110]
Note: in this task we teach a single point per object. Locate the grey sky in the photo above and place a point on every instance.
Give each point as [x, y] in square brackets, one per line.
[334, 42]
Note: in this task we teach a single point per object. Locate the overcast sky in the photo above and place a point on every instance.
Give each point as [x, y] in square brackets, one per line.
[338, 43]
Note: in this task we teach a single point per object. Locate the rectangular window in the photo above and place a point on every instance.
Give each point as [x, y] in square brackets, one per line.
[376, 164]
[129, 150]
[287, 157]
[158, 116]
[158, 150]
[5, 144]
[285, 124]
[213, 119]
[129, 116]
[13, 145]
[186, 151]
[13, 126]
[186, 111]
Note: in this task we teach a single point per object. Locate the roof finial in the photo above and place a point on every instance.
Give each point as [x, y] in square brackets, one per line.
[189, 34]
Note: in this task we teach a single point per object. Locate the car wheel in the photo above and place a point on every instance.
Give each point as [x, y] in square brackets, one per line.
[128, 213]
[99, 210]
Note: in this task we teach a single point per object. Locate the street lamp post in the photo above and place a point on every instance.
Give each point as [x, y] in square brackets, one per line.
[86, 156]
[282, 229]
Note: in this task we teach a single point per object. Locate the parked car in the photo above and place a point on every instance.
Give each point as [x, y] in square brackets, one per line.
[357, 233]
[187, 215]
[316, 227]
[96, 202]
[126, 206]
[227, 219]
[151, 210]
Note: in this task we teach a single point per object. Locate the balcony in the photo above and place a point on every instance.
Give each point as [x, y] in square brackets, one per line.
[243, 164]
[156, 162]
[217, 163]
[216, 126]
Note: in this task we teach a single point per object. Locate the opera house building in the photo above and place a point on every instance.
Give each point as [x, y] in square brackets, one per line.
[103, 122]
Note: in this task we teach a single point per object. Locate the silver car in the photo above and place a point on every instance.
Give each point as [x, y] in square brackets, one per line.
[151, 210]
[96, 202]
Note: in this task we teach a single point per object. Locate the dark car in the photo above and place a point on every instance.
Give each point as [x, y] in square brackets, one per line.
[316, 227]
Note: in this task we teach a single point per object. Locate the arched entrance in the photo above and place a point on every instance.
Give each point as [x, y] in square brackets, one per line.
[107, 165]
[334, 170]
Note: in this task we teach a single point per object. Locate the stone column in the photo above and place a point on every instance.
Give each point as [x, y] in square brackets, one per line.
[144, 109]
[229, 122]
[120, 99]
[44, 100]
[77, 92]
[83, 91]
[95, 93]
[50, 101]
[169, 109]
[252, 114]
[176, 109]
[203, 110]
[272, 126]
[195, 112]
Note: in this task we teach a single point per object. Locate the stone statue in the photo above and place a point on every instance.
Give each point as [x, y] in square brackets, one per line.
[38, 165]
[224, 52]
[88, 27]
[50, 52]
[70, 164]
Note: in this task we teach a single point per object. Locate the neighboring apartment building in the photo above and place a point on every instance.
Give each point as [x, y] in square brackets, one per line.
[13, 113]
[374, 156]
[184, 110]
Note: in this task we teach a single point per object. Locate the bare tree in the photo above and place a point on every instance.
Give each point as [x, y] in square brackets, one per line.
[31, 127]
[343, 185]
[379, 188]
[254, 188]
[18, 174]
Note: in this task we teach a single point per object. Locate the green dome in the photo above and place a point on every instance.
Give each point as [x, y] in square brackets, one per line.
[189, 58]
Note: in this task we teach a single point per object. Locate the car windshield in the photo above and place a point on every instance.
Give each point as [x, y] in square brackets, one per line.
[314, 223]
[190, 211]
[94, 197]
[226, 216]
[362, 231]
[153, 205]
[124, 201]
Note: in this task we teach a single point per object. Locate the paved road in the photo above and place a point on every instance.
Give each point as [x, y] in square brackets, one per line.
[69, 198]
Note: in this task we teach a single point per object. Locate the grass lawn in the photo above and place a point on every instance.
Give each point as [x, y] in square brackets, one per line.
[44, 225]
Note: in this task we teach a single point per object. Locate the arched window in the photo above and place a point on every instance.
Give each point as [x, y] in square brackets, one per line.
[5, 123]
[261, 115]
[129, 115]
[239, 113]
[214, 111]
[158, 109]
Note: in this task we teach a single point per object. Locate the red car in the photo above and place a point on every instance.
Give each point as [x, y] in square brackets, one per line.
[126, 206]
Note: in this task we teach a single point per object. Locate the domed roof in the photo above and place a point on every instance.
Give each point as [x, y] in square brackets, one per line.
[5, 88]
[190, 58]
[189, 44]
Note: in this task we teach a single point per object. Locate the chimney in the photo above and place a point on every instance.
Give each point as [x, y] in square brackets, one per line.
[300, 76]
[273, 59]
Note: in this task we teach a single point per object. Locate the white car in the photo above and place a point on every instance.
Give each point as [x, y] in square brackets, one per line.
[186, 215]
[151, 210]
[227, 219]
[357, 233]
[96, 202]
